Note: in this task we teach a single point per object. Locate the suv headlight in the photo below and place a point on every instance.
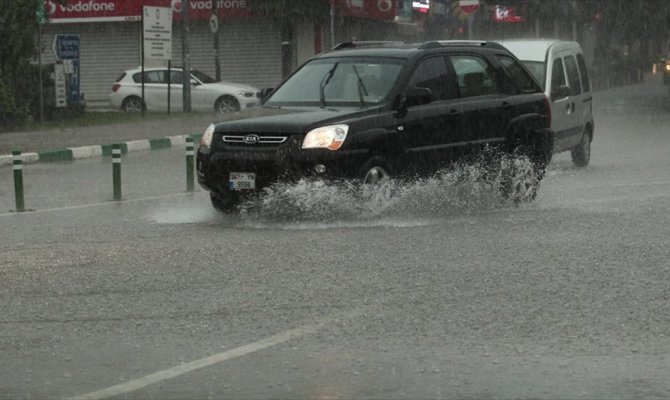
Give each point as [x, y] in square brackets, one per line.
[206, 138]
[326, 137]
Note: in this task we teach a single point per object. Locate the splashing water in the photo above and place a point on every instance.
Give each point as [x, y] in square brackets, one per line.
[462, 188]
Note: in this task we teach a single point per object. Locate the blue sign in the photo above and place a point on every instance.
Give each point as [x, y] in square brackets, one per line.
[66, 47]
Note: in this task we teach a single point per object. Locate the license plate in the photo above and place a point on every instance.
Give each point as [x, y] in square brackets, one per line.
[242, 181]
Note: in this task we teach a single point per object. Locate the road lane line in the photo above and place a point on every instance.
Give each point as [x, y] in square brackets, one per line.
[107, 203]
[170, 373]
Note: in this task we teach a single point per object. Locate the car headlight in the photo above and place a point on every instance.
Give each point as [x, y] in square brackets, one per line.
[326, 137]
[206, 138]
[245, 94]
[667, 67]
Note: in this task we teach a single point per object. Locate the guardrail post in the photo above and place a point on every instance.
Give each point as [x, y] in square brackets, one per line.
[189, 164]
[116, 170]
[17, 165]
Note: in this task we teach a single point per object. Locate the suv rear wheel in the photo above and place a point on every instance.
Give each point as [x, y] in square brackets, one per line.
[522, 172]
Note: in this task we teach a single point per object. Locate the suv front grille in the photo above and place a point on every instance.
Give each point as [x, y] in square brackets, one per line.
[253, 140]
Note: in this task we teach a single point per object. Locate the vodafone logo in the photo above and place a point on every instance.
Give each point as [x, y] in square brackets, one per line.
[176, 6]
[384, 5]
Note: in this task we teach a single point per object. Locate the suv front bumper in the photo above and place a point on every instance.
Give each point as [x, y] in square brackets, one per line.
[214, 168]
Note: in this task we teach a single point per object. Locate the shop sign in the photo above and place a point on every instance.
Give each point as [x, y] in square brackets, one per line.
[131, 10]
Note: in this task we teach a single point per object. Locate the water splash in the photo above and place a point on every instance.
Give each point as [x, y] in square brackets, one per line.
[455, 190]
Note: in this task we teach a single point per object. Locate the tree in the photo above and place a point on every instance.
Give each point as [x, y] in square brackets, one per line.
[18, 29]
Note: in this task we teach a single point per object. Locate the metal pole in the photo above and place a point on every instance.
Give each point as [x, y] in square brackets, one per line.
[169, 83]
[189, 164]
[116, 170]
[39, 58]
[186, 56]
[17, 164]
[332, 24]
[217, 54]
[142, 55]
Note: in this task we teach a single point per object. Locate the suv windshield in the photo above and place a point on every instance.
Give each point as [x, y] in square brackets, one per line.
[342, 82]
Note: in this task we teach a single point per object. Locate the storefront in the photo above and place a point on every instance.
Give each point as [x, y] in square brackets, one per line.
[250, 45]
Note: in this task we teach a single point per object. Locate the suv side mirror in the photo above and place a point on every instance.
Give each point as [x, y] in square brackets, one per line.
[562, 92]
[265, 92]
[415, 96]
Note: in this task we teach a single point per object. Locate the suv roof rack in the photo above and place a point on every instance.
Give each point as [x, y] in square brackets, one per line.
[442, 43]
[367, 43]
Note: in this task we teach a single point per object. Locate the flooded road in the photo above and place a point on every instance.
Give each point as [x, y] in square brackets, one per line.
[441, 291]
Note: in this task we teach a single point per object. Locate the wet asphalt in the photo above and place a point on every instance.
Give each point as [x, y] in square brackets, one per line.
[429, 297]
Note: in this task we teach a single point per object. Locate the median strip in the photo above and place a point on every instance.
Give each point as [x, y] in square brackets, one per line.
[78, 153]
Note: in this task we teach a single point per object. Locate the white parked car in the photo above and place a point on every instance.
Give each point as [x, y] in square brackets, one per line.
[206, 93]
[560, 69]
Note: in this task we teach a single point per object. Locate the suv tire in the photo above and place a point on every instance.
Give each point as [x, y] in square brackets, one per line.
[374, 171]
[522, 172]
[222, 203]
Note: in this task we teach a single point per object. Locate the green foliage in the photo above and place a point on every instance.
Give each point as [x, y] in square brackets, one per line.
[18, 80]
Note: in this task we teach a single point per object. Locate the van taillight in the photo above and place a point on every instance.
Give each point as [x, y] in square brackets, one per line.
[116, 87]
[547, 111]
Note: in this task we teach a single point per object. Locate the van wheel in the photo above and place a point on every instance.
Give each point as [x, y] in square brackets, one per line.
[227, 105]
[581, 154]
[132, 104]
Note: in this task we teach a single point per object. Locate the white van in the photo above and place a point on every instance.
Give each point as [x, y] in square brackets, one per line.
[560, 69]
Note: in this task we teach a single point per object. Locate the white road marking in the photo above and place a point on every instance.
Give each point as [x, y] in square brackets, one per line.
[107, 203]
[191, 366]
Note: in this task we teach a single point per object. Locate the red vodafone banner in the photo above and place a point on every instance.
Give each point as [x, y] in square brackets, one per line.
[131, 10]
[385, 10]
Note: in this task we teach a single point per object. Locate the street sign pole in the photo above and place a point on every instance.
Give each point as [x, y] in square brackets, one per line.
[142, 67]
[39, 61]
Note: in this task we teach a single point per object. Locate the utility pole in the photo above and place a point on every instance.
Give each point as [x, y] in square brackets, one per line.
[214, 26]
[185, 56]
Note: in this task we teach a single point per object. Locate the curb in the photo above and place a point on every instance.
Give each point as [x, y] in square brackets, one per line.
[78, 153]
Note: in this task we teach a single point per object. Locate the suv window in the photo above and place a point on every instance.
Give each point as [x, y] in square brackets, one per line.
[557, 76]
[524, 81]
[432, 74]
[583, 73]
[573, 75]
[475, 76]
[150, 77]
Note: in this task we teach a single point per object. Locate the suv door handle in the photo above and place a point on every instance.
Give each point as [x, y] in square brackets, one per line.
[506, 106]
[455, 112]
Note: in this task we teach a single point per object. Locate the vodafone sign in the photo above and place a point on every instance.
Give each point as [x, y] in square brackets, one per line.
[131, 10]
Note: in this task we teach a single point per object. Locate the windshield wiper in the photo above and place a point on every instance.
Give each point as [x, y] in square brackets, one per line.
[324, 82]
[361, 87]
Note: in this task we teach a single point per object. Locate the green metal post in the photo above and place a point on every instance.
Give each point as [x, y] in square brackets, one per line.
[116, 170]
[189, 164]
[17, 164]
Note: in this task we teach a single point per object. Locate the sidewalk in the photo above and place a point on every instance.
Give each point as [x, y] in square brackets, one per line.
[85, 142]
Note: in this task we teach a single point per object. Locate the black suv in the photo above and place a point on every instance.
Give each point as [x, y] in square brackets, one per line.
[367, 112]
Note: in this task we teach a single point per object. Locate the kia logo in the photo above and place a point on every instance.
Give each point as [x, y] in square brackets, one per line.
[251, 139]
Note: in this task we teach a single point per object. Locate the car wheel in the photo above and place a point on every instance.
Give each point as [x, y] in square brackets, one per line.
[581, 154]
[222, 203]
[132, 104]
[227, 105]
[521, 174]
[376, 178]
